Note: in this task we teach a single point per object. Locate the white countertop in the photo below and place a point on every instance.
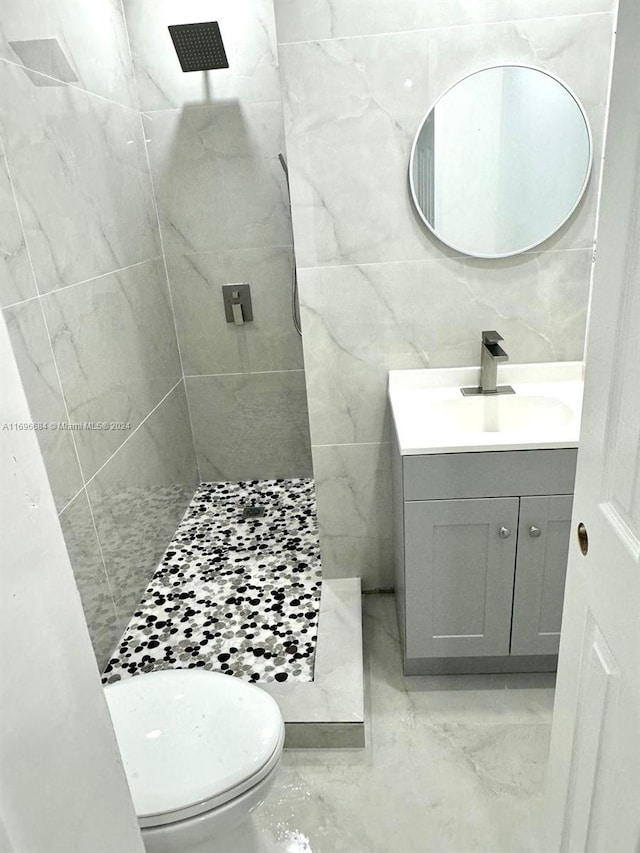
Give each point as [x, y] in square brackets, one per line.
[431, 415]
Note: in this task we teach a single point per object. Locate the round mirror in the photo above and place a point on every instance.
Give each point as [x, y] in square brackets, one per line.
[500, 161]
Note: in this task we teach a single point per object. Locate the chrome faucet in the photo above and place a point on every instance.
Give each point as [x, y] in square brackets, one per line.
[491, 354]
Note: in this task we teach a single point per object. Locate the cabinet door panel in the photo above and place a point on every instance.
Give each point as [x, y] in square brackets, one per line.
[459, 576]
[540, 574]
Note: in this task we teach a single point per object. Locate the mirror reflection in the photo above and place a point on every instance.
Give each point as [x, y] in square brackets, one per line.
[501, 161]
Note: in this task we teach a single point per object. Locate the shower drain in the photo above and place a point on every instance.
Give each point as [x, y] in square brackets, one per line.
[253, 511]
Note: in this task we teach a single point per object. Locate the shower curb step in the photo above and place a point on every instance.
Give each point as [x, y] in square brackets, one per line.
[328, 712]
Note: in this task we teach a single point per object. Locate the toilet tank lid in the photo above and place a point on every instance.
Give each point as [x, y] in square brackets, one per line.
[188, 736]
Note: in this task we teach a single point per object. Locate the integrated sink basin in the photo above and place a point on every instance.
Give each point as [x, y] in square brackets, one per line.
[501, 414]
[431, 416]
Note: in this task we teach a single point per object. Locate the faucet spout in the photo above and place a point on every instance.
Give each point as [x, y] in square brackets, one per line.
[491, 354]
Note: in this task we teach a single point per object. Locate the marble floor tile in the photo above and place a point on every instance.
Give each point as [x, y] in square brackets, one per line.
[427, 782]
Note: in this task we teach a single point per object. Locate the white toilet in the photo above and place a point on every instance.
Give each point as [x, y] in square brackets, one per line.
[200, 751]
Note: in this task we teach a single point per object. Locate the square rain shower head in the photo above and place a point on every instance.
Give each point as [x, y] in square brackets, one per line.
[199, 46]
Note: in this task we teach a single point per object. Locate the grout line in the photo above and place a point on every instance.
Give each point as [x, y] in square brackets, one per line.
[169, 288]
[69, 502]
[21, 302]
[129, 437]
[445, 27]
[134, 76]
[246, 373]
[219, 251]
[41, 295]
[104, 562]
[354, 444]
[529, 254]
[102, 275]
[69, 85]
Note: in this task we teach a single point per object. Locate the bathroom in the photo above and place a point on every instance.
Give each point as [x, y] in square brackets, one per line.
[133, 191]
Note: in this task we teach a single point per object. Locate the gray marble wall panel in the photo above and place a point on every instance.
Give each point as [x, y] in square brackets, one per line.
[16, 275]
[378, 292]
[92, 50]
[249, 39]
[353, 491]
[217, 177]
[91, 577]
[32, 349]
[352, 107]
[250, 426]
[115, 348]
[81, 180]
[362, 321]
[211, 345]
[139, 497]
[328, 19]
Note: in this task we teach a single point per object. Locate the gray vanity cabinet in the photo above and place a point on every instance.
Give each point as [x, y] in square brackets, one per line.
[481, 550]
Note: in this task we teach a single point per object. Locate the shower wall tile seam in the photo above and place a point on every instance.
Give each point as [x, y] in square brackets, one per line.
[131, 435]
[130, 57]
[437, 29]
[444, 258]
[354, 444]
[243, 373]
[128, 107]
[217, 251]
[93, 278]
[166, 270]
[99, 543]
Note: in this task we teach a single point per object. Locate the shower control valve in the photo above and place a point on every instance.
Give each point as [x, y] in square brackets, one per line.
[237, 303]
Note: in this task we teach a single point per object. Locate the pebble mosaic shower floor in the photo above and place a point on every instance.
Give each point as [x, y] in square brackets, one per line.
[235, 595]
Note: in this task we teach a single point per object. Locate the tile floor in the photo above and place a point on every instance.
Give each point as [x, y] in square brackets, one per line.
[452, 765]
[232, 594]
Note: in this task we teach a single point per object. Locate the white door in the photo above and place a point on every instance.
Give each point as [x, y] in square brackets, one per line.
[595, 749]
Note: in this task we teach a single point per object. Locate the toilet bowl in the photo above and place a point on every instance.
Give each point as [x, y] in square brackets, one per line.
[200, 751]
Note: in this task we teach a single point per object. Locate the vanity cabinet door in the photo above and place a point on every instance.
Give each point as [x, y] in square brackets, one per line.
[459, 567]
[543, 547]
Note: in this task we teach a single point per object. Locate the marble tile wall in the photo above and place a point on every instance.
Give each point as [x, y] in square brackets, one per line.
[377, 290]
[213, 140]
[84, 291]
